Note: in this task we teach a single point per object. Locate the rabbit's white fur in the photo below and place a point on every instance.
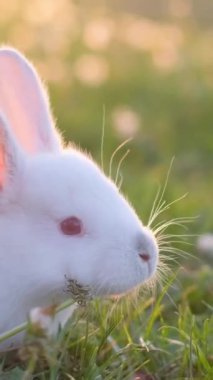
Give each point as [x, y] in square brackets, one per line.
[42, 184]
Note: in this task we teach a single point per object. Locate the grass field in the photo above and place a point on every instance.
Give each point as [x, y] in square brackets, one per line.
[149, 74]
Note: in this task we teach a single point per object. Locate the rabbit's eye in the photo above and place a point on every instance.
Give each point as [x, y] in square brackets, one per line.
[71, 226]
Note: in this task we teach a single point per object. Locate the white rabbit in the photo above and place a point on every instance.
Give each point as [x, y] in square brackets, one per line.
[60, 216]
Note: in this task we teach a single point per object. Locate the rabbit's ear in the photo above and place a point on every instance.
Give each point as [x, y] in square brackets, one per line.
[24, 102]
[11, 159]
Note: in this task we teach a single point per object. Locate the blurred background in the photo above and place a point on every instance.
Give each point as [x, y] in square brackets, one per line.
[146, 69]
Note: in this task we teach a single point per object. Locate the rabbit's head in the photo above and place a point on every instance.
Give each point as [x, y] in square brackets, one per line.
[60, 216]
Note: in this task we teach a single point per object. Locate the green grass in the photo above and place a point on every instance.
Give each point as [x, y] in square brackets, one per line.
[166, 333]
[159, 335]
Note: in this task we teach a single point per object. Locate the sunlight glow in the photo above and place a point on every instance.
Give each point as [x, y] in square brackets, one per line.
[98, 33]
[126, 122]
[91, 69]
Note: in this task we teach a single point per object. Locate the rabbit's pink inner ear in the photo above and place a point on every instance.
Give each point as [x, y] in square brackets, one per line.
[26, 115]
[24, 101]
[2, 168]
[26, 141]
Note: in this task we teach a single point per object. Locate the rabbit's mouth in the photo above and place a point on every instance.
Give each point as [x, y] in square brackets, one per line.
[80, 293]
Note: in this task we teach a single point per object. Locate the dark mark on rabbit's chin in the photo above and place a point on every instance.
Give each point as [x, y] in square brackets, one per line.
[79, 293]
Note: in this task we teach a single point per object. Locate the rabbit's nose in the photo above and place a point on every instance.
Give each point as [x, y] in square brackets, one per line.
[141, 245]
[144, 256]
